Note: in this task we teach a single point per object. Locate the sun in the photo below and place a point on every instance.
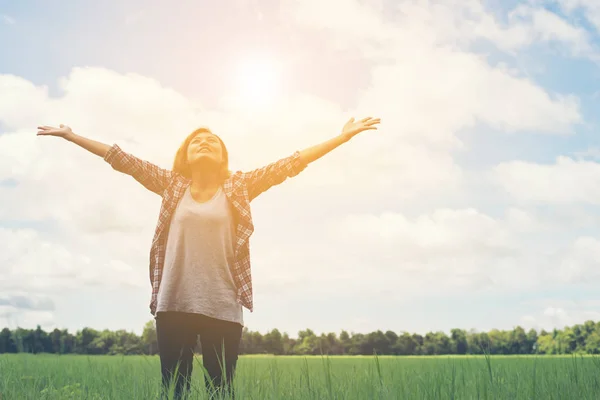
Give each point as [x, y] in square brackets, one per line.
[258, 82]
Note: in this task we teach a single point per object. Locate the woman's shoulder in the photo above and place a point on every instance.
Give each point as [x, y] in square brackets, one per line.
[178, 182]
[234, 180]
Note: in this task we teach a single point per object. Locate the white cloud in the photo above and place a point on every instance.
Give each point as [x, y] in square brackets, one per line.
[13, 318]
[349, 21]
[592, 152]
[440, 252]
[135, 17]
[7, 19]
[520, 220]
[464, 92]
[418, 74]
[566, 181]
[38, 270]
[529, 25]
[22, 93]
[443, 23]
[560, 314]
[580, 264]
[591, 9]
[444, 252]
[27, 301]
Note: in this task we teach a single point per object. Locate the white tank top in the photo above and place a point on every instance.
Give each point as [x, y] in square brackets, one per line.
[198, 260]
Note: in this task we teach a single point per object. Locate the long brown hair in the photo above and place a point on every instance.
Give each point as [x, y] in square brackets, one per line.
[181, 165]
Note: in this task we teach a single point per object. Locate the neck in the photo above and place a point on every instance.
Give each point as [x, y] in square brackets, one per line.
[205, 179]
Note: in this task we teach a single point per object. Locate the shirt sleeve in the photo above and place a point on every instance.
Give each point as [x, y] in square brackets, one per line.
[152, 177]
[262, 179]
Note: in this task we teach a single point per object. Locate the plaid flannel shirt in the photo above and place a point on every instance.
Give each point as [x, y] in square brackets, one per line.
[241, 188]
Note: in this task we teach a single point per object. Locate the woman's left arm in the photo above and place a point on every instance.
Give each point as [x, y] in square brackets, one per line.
[350, 130]
[260, 180]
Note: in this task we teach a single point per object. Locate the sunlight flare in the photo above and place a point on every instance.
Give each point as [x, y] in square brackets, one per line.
[257, 82]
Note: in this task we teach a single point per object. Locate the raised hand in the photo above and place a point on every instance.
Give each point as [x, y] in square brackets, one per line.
[63, 131]
[352, 128]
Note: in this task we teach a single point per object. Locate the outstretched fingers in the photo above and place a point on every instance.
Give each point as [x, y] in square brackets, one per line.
[45, 130]
[370, 124]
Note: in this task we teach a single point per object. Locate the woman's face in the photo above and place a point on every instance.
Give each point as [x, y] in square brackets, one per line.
[205, 147]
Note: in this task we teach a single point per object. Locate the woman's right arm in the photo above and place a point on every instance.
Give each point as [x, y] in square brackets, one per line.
[152, 177]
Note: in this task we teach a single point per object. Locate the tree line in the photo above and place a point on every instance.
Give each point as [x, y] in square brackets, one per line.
[581, 338]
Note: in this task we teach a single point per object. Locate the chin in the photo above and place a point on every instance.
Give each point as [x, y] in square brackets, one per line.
[204, 160]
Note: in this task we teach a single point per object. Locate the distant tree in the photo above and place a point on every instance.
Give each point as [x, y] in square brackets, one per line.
[288, 344]
[430, 344]
[345, 342]
[307, 344]
[420, 340]
[67, 342]
[55, 341]
[334, 344]
[149, 338]
[499, 342]
[566, 340]
[517, 343]
[83, 340]
[102, 343]
[392, 338]
[376, 343]
[445, 345]
[39, 341]
[126, 343]
[580, 338]
[356, 345]
[546, 344]
[7, 342]
[24, 340]
[531, 342]
[273, 342]
[459, 341]
[592, 345]
[479, 343]
[406, 344]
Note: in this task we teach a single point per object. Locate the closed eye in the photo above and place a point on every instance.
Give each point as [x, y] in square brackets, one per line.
[209, 140]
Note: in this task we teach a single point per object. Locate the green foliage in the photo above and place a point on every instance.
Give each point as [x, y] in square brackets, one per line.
[578, 339]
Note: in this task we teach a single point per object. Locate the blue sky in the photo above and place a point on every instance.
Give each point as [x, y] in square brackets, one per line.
[474, 206]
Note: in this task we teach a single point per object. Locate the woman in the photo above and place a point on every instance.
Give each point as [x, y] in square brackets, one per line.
[200, 258]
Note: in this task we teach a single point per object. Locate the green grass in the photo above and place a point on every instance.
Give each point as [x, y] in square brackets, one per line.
[41, 377]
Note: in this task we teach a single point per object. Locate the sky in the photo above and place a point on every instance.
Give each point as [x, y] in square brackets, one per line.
[474, 205]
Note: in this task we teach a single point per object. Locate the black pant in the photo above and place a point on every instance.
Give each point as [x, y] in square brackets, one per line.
[177, 333]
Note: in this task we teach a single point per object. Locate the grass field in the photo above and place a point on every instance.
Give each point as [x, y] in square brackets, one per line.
[39, 377]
